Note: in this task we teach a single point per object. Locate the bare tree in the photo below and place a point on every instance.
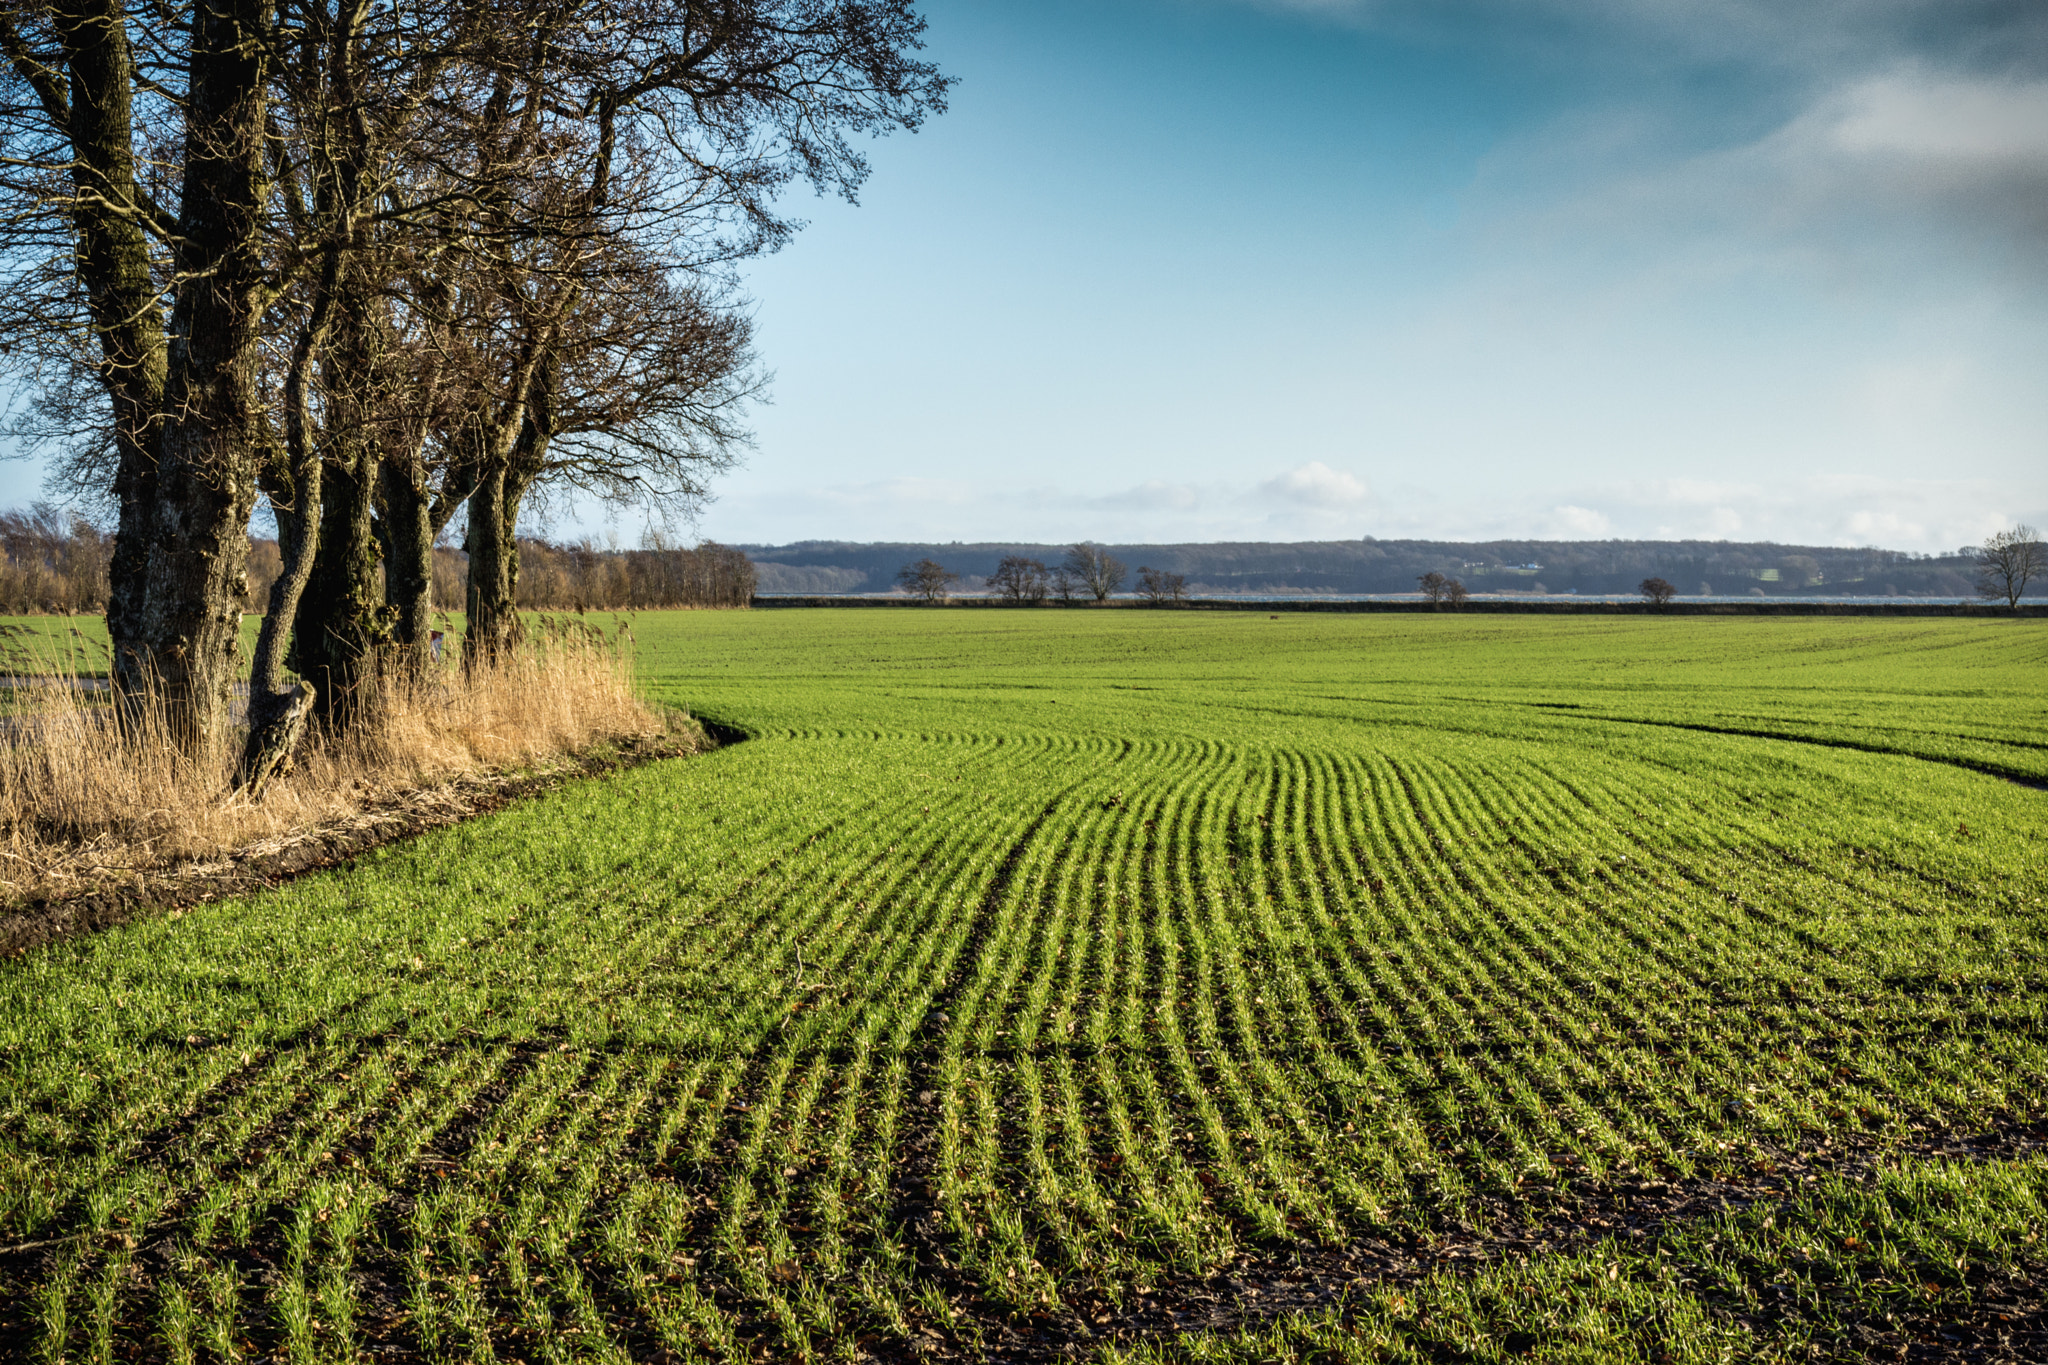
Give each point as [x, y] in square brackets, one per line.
[1455, 594]
[927, 579]
[51, 561]
[1656, 591]
[155, 266]
[1435, 586]
[1063, 584]
[311, 200]
[1021, 581]
[1095, 569]
[2008, 561]
[640, 123]
[1160, 587]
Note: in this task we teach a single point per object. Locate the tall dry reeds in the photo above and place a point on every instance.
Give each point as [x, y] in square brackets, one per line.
[89, 796]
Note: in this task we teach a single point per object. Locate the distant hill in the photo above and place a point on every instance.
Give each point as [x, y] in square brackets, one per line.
[1696, 567]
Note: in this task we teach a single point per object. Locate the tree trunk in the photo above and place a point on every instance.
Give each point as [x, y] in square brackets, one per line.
[294, 491]
[493, 624]
[113, 266]
[191, 617]
[342, 625]
[405, 525]
[507, 467]
[274, 740]
[298, 521]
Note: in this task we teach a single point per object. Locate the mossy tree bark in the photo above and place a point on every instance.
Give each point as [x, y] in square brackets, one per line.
[212, 430]
[508, 461]
[406, 528]
[342, 623]
[91, 103]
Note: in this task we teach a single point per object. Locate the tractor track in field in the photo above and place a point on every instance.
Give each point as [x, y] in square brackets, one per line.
[913, 1193]
[2005, 1320]
[2018, 779]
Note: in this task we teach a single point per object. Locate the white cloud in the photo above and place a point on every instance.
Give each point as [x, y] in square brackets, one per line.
[1777, 34]
[1923, 514]
[1315, 484]
[1903, 174]
[1575, 523]
[1969, 153]
[1987, 122]
[1894, 513]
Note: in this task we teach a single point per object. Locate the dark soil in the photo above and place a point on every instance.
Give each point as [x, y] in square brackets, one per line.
[2005, 1319]
[2001, 1319]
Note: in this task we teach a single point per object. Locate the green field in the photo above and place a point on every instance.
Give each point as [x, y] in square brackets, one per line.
[1080, 984]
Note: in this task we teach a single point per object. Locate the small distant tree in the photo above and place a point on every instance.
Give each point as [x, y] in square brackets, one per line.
[926, 578]
[1095, 569]
[2007, 561]
[1159, 587]
[1455, 594]
[1656, 591]
[1434, 586]
[1064, 585]
[1021, 581]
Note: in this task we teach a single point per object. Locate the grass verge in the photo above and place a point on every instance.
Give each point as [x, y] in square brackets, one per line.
[88, 804]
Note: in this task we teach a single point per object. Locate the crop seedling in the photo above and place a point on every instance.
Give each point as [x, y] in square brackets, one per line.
[935, 1014]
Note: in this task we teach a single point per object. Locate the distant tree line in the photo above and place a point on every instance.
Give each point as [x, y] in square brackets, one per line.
[52, 562]
[1087, 572]
[56, 562]
[581, 577]
[1384, 566]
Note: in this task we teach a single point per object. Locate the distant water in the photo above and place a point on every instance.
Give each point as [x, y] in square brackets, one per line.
[1731, 600]
[1837, 599]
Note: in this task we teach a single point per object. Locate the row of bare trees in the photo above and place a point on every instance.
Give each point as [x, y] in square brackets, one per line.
[1087, 571]
[379, 264]
[584, 578]
[51, 561]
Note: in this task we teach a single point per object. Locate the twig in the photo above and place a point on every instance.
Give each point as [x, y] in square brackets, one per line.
[35, 1246]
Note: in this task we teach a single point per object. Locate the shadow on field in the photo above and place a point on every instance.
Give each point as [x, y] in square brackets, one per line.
[30, 924]
[1819, 741]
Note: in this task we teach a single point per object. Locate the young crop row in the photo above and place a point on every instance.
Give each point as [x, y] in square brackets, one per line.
[860, 1032]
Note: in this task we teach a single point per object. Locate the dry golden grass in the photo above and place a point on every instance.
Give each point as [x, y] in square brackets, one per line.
[84, 802]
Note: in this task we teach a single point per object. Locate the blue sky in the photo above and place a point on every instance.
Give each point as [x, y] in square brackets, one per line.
[1217, 269]
[1193, 269]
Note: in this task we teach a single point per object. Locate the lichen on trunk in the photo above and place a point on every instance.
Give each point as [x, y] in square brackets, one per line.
[189, 628]
[405, 527]
[109, 214]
